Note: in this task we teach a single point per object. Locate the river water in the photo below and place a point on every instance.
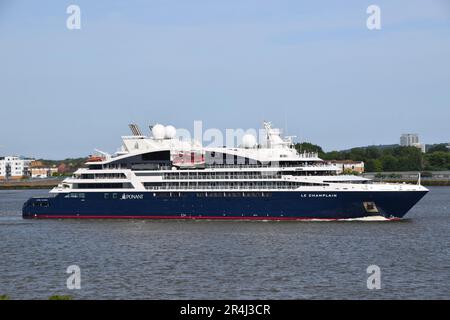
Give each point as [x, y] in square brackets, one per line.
[144, 259]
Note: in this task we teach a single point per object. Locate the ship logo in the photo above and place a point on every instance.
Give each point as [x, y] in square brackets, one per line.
[132, 196]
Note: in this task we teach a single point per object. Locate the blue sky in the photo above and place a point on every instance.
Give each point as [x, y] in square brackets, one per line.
[229, 63]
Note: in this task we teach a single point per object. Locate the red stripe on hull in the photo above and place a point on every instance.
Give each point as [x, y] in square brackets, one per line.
[191, 218]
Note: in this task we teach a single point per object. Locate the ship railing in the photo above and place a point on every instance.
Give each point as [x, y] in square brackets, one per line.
[220, 177]
[275, 164]
[220, 188]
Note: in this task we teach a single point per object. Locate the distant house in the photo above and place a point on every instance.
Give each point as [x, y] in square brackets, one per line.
[347, 166]
[38, 170]
[12, 167]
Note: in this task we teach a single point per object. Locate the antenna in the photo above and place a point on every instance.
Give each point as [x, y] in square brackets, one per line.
[285, 123]
[132, 128]
[135, 129]
[138, 130]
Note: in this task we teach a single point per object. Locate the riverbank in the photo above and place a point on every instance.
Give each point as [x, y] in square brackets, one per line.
[428, 183]
[428, 178]
[30, 184]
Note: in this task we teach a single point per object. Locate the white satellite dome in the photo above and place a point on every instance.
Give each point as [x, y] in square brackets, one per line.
[170, 132]
[158, 131]
[248, 141]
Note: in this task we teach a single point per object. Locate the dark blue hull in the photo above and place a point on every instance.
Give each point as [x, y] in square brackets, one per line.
[280, 205]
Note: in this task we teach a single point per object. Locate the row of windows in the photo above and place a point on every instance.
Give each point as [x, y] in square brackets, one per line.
[283, 164]
[222, 175]
[228, 185]
[233, 194]
[110, 195]
[41, 204]
[75, 195]
[214, 194]
[101, 176]
[103, 186]
[169, 194]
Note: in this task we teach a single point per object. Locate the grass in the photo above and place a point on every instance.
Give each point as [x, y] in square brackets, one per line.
[60, 297]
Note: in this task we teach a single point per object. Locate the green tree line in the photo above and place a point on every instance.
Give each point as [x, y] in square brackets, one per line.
[395, 158]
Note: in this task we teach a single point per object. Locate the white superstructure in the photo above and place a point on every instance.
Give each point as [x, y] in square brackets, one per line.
[163, 163]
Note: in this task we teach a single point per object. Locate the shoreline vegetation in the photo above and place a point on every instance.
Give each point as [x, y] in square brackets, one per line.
[53, 297]
[389, 158]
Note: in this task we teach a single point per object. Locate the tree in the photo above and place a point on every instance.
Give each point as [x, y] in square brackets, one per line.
[389, 162]
[438, 160]
[438, 147]
[373, 165]
[308, 147]
[373, 153]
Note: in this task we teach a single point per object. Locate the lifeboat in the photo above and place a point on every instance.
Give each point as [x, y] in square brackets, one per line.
[95, 159]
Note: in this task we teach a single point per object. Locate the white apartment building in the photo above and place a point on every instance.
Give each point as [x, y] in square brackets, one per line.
[408, 139]
[14, 167]
[411, 140]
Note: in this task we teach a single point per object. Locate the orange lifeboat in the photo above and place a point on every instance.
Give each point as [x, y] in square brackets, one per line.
[95, 159]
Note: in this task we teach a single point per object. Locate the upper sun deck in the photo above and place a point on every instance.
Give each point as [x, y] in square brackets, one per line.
[166, 150]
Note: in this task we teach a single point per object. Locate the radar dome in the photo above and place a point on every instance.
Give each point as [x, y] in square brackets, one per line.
[248, 141]
[158, 131]
[170, 132]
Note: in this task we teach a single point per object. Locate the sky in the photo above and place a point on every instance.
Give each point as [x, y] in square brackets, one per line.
[313, 68]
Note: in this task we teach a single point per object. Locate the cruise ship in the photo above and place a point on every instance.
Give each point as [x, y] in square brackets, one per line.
[162, 176]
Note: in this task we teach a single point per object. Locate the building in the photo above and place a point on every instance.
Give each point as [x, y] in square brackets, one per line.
[411, 140]
[408, 139]
[39, 170]
[43, 172]
[12, 167]
[347, 166]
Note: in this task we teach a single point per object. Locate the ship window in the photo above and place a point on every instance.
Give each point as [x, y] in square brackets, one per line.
[41, 204]
[106, 195]
[100, 185]
[156, 156]
[162, 194]
[114, 195]
[143, 174]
